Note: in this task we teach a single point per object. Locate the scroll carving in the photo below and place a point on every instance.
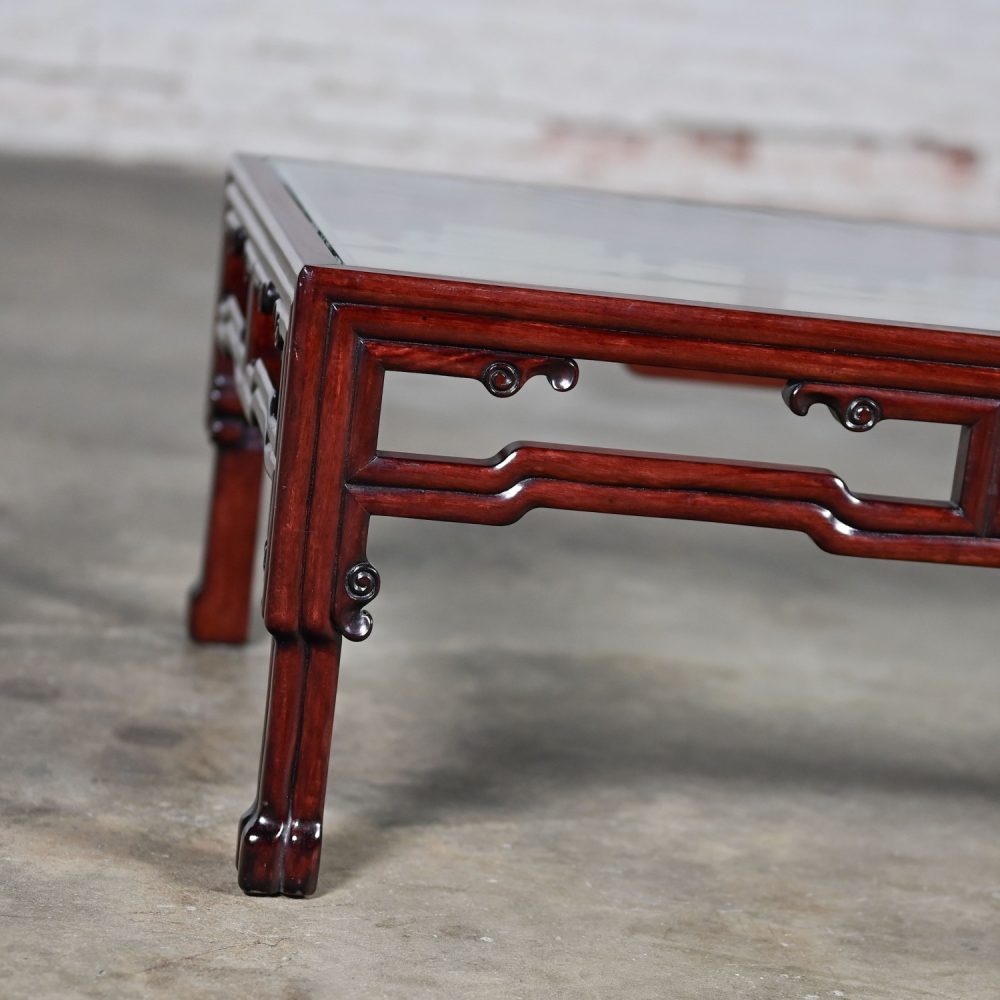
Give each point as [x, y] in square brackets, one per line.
[362, 584]
[855, 412]
[504, 378]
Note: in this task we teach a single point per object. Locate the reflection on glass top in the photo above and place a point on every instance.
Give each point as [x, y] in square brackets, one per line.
[590, 241]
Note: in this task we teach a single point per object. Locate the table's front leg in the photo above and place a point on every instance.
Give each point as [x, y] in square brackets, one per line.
[315, 567]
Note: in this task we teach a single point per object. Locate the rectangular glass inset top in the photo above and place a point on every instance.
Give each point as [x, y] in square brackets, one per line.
[589, 241]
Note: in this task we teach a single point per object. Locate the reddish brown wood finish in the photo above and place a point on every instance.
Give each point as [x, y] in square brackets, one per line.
[219, 604]
[280, 834]
[348, 326]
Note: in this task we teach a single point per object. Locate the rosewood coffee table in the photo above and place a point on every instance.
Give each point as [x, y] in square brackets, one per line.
[332, 275]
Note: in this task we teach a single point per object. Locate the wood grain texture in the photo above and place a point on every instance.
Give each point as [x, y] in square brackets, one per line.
[347, 327]
[219, 604]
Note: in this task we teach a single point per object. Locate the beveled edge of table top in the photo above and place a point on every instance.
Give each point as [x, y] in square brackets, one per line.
[297, 247]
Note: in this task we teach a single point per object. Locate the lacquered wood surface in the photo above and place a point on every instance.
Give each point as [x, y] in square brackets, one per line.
[219, 603]
[525, 235]
[298, 373]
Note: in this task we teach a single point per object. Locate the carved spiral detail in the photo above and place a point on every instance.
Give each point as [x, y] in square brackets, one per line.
[501, 379]
[362, 582]
[505, 377]
[268, 298]
[237, 240]
[856, 413]
[862, 414]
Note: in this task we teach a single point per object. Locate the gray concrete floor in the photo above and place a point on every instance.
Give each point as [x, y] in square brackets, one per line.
[580, 756]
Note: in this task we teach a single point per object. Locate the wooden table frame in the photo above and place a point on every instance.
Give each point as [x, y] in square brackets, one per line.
[300, 350]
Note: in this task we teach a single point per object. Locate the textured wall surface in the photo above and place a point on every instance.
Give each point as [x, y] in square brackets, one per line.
[870, 106]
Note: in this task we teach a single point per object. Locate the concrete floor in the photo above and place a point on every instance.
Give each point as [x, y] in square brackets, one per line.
[580, 756]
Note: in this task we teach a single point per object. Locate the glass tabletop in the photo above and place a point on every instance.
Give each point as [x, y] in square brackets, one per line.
[589, 241]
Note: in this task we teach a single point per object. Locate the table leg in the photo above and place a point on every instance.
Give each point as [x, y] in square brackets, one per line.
[281, 834]
[219, 604]
[315, 564]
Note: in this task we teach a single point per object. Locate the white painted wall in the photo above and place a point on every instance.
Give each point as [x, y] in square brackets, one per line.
[886, 107]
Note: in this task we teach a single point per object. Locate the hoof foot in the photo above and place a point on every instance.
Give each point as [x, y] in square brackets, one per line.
[276, 858]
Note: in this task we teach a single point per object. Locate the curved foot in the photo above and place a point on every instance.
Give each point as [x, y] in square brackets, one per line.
[219, 604]
[210, 621]
[275, 858]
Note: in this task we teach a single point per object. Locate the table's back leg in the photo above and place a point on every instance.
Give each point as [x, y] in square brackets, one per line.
[219, 604]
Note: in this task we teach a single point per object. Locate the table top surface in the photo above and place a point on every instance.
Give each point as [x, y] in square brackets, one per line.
[611, 244]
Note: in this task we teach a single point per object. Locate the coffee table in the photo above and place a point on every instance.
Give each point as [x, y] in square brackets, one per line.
[332, 275]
